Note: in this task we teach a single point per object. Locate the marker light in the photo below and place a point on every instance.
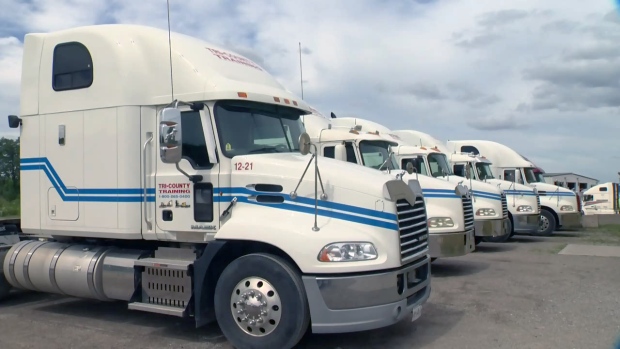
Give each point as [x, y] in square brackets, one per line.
[525, 208]
[348, 252]
[567, 208]
[242, 94]
[440, 222]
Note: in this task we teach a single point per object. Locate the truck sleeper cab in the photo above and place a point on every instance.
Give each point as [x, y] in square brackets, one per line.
[172, 207]
[449, 210]
[523, 201]
[560, 207]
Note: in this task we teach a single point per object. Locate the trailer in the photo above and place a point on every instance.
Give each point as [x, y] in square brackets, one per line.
[146, 178]
[559, 206]
[449, 210]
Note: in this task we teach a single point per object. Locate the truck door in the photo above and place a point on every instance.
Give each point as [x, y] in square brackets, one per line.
[185, 209]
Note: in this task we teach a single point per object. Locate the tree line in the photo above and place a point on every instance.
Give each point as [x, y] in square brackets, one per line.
[9, 176]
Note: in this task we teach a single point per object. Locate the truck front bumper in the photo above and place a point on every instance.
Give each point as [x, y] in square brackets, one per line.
[490, 227]
[443, 245]
[570, 220]
[363, 302]
[526, 223]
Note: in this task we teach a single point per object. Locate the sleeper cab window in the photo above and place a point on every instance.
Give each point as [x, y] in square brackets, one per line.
[72, 67]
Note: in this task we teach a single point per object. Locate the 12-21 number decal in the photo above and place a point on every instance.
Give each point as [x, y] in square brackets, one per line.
[243, 166]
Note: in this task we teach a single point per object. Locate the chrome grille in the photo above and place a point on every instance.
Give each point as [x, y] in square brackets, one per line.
[413, 229]
[468, 210]
[504, 206]
[538, 202]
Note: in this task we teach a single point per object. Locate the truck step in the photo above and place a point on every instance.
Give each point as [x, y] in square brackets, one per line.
[161, 263]
[159, 309]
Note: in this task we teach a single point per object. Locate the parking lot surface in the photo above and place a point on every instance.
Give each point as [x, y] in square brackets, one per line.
[520, 294]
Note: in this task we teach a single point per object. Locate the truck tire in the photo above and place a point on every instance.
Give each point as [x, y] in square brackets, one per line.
[548, 223]
[260, 302]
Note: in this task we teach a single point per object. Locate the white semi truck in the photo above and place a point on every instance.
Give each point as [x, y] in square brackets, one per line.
[182, 208]
[523, 202]
[449, 210]
[602, 199]
[560, 207]
[489, 202]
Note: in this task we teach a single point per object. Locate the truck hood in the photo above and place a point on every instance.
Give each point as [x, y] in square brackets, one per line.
[509, 186]
[551, 188]
[476, 186]
[286, 169]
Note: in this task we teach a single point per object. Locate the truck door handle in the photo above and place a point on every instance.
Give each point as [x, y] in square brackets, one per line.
[145, 188]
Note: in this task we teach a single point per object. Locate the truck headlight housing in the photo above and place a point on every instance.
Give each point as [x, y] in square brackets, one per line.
[525, 208]
[566, 208]
[348, 252]
[485, 212]
[440, 222]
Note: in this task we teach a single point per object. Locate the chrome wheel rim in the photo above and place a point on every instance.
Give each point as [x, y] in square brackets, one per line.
[256, 306]
[544, 224]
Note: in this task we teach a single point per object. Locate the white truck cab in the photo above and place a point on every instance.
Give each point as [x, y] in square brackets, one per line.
[560, 207]
[489, 202]
[522, 201]
[449, 211]
[601, 199]
[175, 177]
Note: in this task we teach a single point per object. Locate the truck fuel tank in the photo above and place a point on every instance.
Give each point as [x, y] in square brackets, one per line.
[79, 270]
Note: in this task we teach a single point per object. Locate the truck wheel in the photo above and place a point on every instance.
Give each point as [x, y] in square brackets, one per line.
[260, 302]
[547, 223]
[5, 287]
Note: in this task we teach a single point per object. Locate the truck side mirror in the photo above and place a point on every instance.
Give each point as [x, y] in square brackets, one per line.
[170, 136]
[340, 152]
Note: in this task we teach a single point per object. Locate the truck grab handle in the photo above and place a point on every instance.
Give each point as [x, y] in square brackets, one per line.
[145, 188]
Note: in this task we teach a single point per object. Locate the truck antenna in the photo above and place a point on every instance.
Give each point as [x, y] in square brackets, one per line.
[170, 51]
[301, 73]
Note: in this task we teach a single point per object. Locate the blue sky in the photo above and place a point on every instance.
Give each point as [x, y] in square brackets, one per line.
[542, 77]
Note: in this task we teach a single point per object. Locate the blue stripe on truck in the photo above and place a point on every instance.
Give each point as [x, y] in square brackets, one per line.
[300, 204]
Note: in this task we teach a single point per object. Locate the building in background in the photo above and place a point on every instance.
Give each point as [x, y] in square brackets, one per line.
[571, 181]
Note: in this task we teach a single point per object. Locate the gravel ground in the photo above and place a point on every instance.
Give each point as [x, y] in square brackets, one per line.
[519, 294]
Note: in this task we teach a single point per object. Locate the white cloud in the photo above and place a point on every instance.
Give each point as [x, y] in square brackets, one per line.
[534, 75]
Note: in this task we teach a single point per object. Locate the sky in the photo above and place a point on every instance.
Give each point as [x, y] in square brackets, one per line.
[542, 77]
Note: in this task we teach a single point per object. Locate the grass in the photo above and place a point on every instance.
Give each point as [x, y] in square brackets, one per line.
[603, 235]
[9, 208]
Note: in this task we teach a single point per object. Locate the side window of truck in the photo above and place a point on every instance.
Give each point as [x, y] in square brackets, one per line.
[459, 170]
[72, 67]
[329, 152]
[350, 153]
[194, 142]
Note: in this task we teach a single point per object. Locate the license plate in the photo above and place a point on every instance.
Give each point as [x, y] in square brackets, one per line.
[416, 313]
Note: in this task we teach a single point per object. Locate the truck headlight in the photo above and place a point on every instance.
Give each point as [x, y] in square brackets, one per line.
[566, 208]
[525, 208]
[348, 252]
[485, 212]
[440, 222]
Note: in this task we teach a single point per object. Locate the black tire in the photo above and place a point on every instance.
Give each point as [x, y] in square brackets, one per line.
[433, 259]
[478, 240]
[548, 224]
[294, 313]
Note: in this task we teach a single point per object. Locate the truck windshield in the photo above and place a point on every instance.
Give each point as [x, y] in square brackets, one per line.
[530, 175]
[257, 128]
[439, 165]
[484, 171]
[539, 177]
[374, 154]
